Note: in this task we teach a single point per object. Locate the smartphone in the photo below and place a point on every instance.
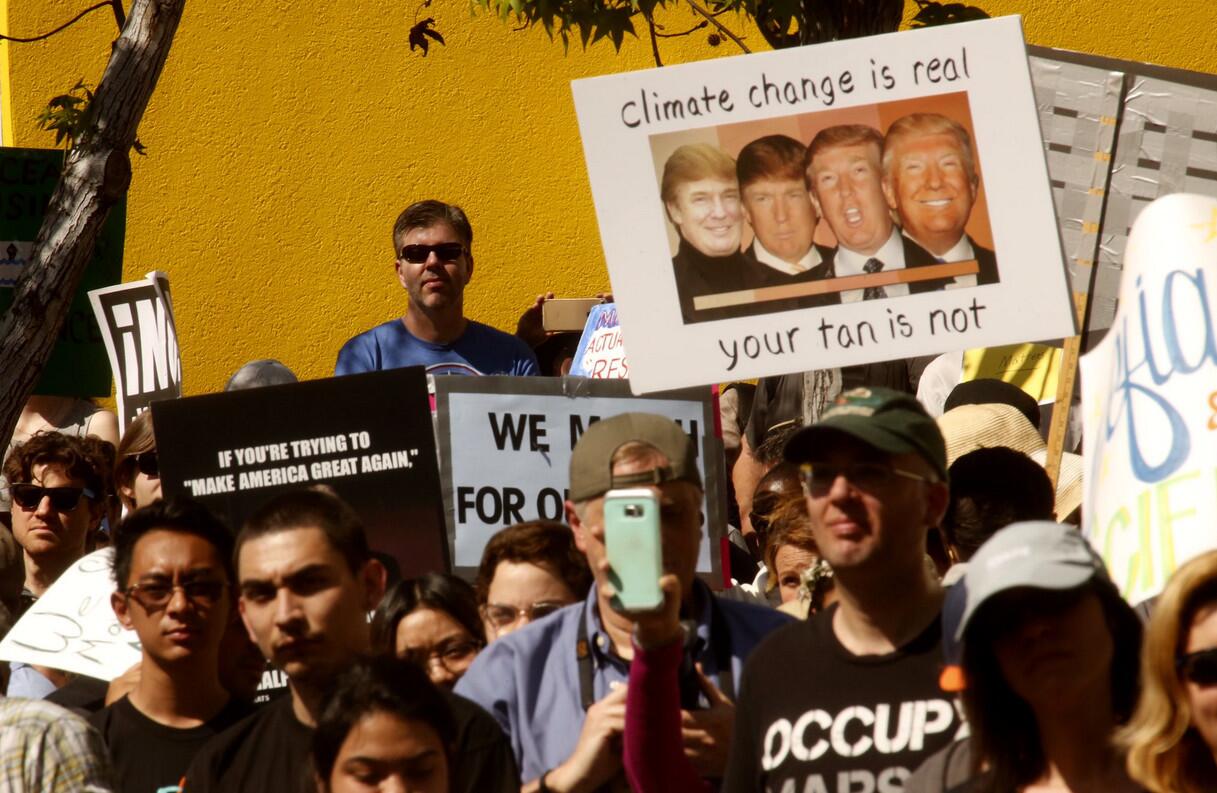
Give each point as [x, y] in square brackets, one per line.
[635, 555]
[567, 313]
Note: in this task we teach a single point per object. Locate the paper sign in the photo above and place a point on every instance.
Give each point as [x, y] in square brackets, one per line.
[601, 351]
[136, 321]
[72, 627]
[708, 227]
[1150, 408]
[1031, 367]
[28, 178]
[506, 459]
[368, 436]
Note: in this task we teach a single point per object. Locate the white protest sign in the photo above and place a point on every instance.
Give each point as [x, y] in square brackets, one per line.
[1149, 396]
[136, 322]
[72, 626]
[708, 226]
[506, 444]
[601, 351]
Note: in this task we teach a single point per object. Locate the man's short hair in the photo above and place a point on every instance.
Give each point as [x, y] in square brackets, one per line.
[693, 162]
[180, 515]
[990, 489]
[310, 508]
[840, 135]
[545, 543]
[772, 157]
[90, 460]
[919, 124]
[424, 215]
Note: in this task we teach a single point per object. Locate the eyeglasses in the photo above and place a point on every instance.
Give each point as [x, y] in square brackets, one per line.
[502, 615]
[63, 499]
[156, 595]
[868, 477]
[1199, 667]
[455, 655]
[148, 463]
[444, 251]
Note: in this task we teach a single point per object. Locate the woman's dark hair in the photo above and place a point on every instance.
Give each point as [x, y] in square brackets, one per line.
[440, 591]
[379, 685]
[546, 544]
[1004, 730]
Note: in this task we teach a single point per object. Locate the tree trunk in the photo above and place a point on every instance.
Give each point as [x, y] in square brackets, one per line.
[95, 176]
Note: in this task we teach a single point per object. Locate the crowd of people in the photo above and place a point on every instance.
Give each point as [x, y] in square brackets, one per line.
[912, 605]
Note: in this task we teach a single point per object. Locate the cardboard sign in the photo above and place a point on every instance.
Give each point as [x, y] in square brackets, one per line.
[601, 351]
[506, 459]
[709, 245]
[368, 436]
[72, 626]
[1031, 367]
[28, 177]
[1149, 404]
[136, 321]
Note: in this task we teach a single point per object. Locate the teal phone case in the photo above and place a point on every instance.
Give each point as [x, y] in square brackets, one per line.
[632, 544]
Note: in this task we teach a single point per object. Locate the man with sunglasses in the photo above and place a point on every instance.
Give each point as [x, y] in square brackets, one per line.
[173, 573]
[58, 485]
[865, 709]
[432, 244]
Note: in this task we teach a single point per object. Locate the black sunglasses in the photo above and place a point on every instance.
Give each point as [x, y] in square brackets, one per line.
[445, 252]
[1199, 667]
[148, 463]
[63, 499]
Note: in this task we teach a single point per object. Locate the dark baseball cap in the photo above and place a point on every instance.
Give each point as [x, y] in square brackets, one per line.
[591, 462]
[891, 421]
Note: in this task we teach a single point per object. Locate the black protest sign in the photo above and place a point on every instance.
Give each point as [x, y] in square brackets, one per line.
[505, 446]
[136, 321]
[367, 436]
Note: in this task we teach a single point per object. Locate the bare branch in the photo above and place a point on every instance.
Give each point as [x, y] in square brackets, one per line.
[699, 26]
[118, 14]
[721, 27]
[654, 40]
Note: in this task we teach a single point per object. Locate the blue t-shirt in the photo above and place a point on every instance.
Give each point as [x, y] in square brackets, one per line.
[480, 350]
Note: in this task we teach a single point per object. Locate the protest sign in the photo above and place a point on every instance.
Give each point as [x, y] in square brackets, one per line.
[368, 436]
[505, 445]
[1149, 404]
[1031, 367]
[72, 626]
[729, 276]
[78, 365]
[601, 351]
[136, 321]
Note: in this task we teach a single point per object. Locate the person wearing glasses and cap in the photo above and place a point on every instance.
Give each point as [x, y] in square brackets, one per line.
[556, 685]
[173, 575]
[57, 484]
[865, 705]
[432, 247]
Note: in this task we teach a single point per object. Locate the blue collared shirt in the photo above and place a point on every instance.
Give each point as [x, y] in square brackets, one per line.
[529, 679]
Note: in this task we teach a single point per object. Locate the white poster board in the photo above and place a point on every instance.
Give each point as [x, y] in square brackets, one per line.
[1150, 408]
[72, 627]
[687, 271]
[505, 446]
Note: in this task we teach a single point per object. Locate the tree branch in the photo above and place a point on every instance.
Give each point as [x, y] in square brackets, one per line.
[95, 177]
[721, 27]
[654, 40]
[118, 16]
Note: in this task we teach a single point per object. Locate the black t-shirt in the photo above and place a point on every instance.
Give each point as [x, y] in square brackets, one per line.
[270, 751]
[150, 757]
[843, 722]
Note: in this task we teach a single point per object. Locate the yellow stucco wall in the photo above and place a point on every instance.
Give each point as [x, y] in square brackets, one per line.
[285, 136]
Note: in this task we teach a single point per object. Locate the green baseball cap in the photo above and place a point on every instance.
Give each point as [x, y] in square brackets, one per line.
[591, 462]
[891, 421]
